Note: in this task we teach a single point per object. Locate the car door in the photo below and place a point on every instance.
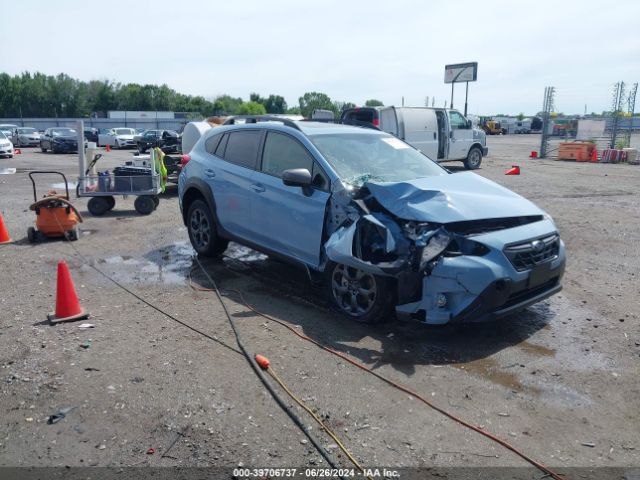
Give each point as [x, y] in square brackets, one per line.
[460, 136]
[289, 220]
[421, 130]
[229, 173]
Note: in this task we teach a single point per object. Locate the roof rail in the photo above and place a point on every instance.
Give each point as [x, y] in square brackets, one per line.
[260, 118]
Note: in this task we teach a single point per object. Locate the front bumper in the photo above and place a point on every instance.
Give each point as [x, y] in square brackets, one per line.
[480, 288]
[64, 147]
[6, 150]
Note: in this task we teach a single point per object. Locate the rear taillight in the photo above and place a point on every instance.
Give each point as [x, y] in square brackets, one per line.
[185, 159]
[376, 122]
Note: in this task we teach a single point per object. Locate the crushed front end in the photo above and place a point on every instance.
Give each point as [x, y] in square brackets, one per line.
[450, 263]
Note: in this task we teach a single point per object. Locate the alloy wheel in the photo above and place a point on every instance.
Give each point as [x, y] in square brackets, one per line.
[353, 290]
[200, 229]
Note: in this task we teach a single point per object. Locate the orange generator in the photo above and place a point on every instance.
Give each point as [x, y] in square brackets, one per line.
[55, 215]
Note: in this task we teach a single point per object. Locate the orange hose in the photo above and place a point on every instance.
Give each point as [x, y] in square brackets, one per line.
[407, 390]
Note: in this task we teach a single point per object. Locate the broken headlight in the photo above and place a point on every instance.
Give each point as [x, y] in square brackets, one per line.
[437, 244]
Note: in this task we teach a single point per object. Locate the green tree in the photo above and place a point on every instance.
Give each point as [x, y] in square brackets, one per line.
[311, 101]
[373, 103]
[226, 105]
[275, 104]
[251, 108]
[520, 116]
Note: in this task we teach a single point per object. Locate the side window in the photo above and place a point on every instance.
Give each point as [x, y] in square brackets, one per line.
[282, 152]
[242, 148]
[458, 122]
[212, 143]
[221, 146]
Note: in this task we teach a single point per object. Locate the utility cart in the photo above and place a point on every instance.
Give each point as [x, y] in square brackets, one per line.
[103, 187]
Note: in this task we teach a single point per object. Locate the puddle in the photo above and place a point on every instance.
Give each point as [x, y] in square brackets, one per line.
[169, 265]
[538, 350]
[489, 369]
[245, 254]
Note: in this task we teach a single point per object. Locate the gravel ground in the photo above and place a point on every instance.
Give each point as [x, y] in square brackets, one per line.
[559, 380]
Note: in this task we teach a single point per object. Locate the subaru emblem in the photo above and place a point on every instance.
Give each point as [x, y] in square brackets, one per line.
[537, 245]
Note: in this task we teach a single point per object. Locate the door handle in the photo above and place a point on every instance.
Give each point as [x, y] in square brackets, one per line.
[209, 173]
[434, 135]
[256, 187]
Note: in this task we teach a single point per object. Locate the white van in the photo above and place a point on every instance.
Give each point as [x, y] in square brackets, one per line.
[441, 134]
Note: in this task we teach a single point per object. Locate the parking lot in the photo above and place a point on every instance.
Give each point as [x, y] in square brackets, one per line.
[558, 381]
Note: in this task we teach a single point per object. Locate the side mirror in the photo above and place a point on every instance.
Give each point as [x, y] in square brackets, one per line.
[469, 124]
[296, 177]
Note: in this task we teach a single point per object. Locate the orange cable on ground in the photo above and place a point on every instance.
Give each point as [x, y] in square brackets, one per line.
[404, 389]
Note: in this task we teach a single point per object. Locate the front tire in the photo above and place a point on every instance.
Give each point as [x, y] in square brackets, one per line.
[202, 231]
[144, 204]
[474, 159]
[98, 206]
[358, 295]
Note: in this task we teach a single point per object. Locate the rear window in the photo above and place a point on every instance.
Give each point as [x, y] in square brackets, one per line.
[361, 115]
[242, 148]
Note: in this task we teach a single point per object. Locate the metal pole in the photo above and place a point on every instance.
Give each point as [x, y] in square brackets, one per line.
[452, 84]
[81, 158]
[466, 96]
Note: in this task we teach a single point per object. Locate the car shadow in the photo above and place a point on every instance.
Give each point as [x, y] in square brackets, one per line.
[268, 285]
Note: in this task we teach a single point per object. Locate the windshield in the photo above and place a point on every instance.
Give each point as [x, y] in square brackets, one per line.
[26, 130]
[123, 131]
[3, 136]
[361, 157]
[57, 132]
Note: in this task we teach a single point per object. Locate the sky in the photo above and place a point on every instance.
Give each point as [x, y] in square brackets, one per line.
[350, 50]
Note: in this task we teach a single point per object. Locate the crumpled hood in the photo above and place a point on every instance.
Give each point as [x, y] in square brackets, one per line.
[450, 198]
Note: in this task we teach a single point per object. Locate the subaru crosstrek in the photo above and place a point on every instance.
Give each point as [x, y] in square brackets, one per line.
[385, 228]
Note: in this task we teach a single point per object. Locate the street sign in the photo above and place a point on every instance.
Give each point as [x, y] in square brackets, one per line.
[461, 72]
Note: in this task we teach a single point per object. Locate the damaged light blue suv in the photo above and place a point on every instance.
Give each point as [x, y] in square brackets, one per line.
[386, 229]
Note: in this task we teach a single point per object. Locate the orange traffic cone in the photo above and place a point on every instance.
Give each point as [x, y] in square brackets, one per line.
[108, 148]
[514, 170]
[4, 235]
[67, 305]
[594, 155]
[17, 151]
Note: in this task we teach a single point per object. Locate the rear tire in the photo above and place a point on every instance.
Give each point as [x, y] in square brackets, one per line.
[202, 230]
[98, 206]
[111, 201]
[141, 148]
[474, 159]
[31, 235]
[358, 295]
[44, 150]
[73, 234]
[144, 204]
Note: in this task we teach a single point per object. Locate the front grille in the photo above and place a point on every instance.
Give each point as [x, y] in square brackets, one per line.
[526, 255]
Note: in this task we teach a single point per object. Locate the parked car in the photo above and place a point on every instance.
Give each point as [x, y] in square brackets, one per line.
[117, 138]
[60, 140]
[25, 137]
[441, 134]
[167, 140]
[7, 129]
[91, 135]
[385, 228]
[6, 147]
